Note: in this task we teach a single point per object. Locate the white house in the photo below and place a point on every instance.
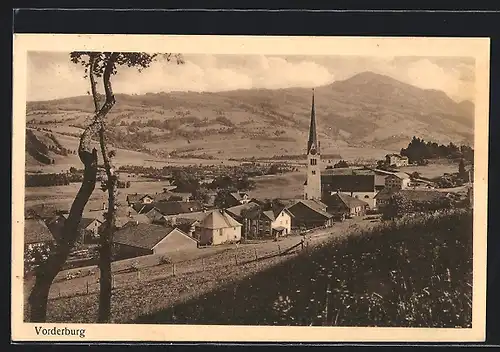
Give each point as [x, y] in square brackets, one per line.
[281, 220]
[219, 227]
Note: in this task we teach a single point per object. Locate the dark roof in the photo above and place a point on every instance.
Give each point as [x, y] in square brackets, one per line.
[85, 222]
[347, 171]
[36, 231]
[170, 196]
[141, 235]
[176, 207]
[238, 209]
[312, 206]
[217, 219]
[238, 195]
[136, 197]
[153, 215]
[41, 211]
[348, 183]
[346, 200]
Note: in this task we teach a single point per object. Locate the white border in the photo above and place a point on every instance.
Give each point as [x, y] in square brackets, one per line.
[479, 48]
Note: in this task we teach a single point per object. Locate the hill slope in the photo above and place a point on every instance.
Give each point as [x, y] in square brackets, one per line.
[368, 110]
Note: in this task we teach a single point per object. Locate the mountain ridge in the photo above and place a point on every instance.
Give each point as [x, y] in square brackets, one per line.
[367, 110]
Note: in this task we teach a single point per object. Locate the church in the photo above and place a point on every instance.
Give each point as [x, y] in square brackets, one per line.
[320, 184]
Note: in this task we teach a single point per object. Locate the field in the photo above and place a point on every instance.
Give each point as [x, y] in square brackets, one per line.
[435, 168]
[411, 273]
[154, 287]
[289, 185]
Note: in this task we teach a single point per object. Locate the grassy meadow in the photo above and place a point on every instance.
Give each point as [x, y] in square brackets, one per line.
[415, 272]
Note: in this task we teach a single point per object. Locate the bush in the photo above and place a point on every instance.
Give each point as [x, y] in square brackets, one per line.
[413, 272]
[164, 260]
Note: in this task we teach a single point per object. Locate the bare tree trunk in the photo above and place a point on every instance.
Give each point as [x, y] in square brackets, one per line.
[106, 237]
[47, 271]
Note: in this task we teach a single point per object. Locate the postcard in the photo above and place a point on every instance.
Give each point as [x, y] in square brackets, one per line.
[249, 188]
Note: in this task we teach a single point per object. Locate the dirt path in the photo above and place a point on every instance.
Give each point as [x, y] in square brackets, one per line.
[157, 287]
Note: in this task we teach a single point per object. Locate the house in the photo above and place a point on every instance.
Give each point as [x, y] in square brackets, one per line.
[357, 183]
[36, 234]
[343, 205]
[238, 211]
[396, 160]
[380, 176]
[310, 214]
[188, 226]
[397, 181]
[281, 220]
[258, 222]
[154, 215]
[219, 227]
[167, 196]
[138, 218]
[136, 239]
[88, 229]
[176, 207]
[42, 211]
[139, 198]
[236, 198]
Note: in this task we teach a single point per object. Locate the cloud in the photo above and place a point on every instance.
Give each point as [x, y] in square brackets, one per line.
[52, 75]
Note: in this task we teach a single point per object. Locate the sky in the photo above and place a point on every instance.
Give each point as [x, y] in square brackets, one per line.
[51, 75]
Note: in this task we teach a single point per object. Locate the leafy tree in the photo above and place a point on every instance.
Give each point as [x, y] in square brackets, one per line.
[273, 169]
[96, 65]
[185, 182]
[397, 206]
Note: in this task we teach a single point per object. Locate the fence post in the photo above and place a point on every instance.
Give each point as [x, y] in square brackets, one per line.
[256, 256]
[236, 259]
[203, 264]
[87, 286]
[279, 250]
[173, 269]
[138, 275]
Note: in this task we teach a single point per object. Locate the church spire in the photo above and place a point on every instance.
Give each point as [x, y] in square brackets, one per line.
[313, 138]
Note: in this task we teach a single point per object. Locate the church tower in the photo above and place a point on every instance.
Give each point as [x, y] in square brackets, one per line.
[312, 186]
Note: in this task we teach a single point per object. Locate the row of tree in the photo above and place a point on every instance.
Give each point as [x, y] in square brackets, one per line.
[419, 150]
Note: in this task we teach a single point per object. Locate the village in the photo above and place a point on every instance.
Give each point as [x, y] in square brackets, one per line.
[209, 207]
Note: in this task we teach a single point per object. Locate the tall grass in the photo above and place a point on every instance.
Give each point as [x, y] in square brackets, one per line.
[413, 272]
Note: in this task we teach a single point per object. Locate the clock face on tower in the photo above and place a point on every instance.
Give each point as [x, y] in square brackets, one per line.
[313, 151]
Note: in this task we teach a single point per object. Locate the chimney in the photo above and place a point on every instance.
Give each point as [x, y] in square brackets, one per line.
[173, 221]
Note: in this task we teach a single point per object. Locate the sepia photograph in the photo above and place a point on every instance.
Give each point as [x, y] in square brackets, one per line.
[216, 188]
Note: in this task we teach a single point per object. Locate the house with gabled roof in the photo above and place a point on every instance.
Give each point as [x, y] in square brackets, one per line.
[344, 205]
[219, 227]
[310, 213]
[137, 239]
[358, 183]
[397, 181]
[142, 198]
[259, 221]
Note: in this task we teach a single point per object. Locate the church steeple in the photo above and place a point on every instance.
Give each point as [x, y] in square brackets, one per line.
[313, 137]
[312, 186]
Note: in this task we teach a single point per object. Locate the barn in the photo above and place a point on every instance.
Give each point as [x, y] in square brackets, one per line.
[138, 239]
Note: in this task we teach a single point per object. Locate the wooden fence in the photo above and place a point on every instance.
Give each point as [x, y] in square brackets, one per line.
[89, 284]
